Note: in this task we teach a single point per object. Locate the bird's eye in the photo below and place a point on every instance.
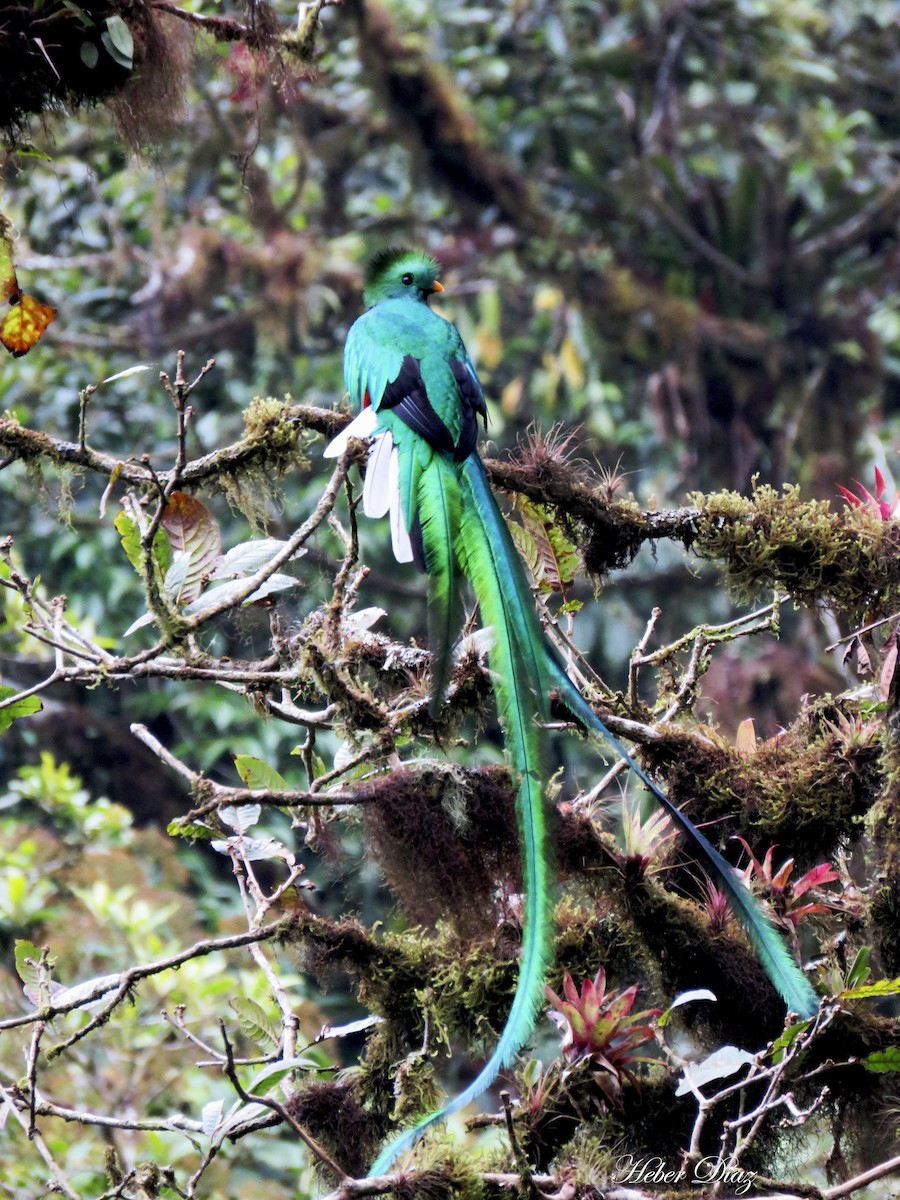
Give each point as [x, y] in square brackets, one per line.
[407, 279]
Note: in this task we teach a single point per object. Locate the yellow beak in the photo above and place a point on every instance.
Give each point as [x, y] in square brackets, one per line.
[437, 287]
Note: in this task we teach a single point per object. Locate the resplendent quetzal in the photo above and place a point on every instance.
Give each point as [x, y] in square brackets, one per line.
[420, 399]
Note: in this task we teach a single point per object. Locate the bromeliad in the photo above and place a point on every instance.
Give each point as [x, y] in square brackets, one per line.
[421, 400]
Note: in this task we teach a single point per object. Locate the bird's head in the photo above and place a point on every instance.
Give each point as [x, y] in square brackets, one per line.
[393, 274]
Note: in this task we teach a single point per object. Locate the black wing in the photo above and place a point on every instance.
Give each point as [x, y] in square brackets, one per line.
[408, 399]
[471, 398]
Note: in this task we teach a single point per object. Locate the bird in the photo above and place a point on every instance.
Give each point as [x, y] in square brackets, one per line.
[420, 402]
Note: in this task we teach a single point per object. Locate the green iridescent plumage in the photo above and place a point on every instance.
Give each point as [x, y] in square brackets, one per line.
[408, 370]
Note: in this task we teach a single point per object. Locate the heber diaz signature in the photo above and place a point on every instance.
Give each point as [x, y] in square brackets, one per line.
[712, 1169]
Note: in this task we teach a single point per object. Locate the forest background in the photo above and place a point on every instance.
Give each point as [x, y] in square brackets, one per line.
[669, 237]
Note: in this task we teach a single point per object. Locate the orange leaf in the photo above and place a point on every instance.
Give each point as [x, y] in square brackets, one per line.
[745, 739]
[25, 320]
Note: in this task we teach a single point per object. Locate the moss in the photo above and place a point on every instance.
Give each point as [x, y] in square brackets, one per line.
[805, 790]
[45, 55]
[884, 831]
[608, 535]
[688, 954]
[566, 1120]
[267, 417]
[333, 1113]
[590, 937]
[451, 1178]
[445, 839]
[775, 539]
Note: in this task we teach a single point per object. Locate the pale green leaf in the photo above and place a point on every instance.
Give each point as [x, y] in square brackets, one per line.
[258, 774]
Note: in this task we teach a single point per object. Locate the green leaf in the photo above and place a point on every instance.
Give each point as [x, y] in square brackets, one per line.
[270, 1076]
[884, 987]
[79, 13]
[26, 150]
[146, 619]
[785, 1040]
[211, 1116]
[254, 1021]
[80, 991]
[162, 550]
[255, 849]
[551, 557]
[690, 997]
[28, 971]
[258, 774]
[89, 55]
[725, 1061]
[189, 829]
[238, 1116]
[883, 1061]
[130, 537]
[118, 42]
[859, 971]
[21, 708]
[135, 370]
[174, 582]
[212, 597]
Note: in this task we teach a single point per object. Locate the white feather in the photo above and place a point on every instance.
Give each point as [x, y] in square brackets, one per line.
[361, 426]
[377, 487]
[399, 533]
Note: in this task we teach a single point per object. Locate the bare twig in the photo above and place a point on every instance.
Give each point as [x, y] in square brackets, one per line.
[122, 984]
[321, 1154]
[61, 1183]
[890, 1167]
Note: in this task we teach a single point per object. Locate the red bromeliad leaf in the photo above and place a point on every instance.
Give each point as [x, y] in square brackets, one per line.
[780, 878]
[622, 1005]
[754, 866]
[849, 497]
[193, 531]
[823, 873]
[796, 915]
[885, 508]
[570, 990]
[863, 662]
[784, 893]
[601, 1026]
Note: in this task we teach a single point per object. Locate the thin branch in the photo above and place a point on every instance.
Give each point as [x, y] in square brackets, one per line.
[36, 1138]
[697, 242]
[849, 232]
[122, 984]
[224, 795]
[860, 1181]
[174, 1124]
[30, 445]
[322, 1155]
[253, 582]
